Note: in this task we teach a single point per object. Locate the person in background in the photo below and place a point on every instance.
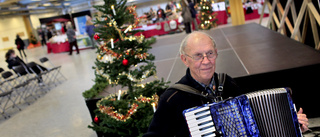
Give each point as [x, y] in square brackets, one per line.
[152, 16]
[193, 14]
[90, 31]
[49, 33]
[20, 46]
[14, 60]
[63, 28]
[160, 14]
[42, 36]
[186, 15]
[71, 34]
[169, 9]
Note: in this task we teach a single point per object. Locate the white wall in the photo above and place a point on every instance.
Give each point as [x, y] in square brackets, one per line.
[9, 27]
[35, 18]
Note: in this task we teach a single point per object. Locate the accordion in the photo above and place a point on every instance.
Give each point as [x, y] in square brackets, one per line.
[266, 113]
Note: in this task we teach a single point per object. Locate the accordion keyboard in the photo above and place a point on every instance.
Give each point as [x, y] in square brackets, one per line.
[200, 122]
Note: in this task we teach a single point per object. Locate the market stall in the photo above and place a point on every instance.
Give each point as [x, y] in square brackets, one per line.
[58, 44]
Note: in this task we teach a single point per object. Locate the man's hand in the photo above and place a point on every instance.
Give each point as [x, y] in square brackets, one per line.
[303, 120]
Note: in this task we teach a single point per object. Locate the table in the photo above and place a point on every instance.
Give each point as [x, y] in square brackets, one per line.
[58, 47]
[150, 29]
[83, 43]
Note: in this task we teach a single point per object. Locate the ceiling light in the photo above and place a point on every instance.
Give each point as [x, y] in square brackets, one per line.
[32, 6]
[46, 4]
[14, 8]
[66, 4]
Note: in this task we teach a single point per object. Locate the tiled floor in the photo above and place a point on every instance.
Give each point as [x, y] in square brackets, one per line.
[62, 111]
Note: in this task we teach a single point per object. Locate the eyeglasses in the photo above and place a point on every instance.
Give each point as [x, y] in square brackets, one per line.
[199, 56]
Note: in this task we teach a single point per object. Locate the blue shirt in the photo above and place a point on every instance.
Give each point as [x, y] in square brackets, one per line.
[209, 89]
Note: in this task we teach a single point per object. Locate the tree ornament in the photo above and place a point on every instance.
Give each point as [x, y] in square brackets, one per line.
[96, 36]
[125, 62]
[96, 119]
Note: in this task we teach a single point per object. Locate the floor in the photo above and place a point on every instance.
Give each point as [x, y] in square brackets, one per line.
[62, 111]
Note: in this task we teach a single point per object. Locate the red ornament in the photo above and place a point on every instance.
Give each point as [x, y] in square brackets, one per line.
[96, 36]
[96, 119]
[125, 62]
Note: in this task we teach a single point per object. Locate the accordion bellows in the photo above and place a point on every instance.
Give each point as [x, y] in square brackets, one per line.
[266, 113]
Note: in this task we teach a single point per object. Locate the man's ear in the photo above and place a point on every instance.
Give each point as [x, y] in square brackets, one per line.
[184, 60]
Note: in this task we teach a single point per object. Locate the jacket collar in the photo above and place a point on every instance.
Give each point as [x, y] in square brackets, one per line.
[189, 80]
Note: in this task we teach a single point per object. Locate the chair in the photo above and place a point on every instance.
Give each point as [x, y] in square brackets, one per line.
[53, 70]
[32, 66]
[12, 83]
[3, 104]
[9, 81]
[23, 73]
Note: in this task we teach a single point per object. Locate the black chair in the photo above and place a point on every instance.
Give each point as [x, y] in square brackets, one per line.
[39, 73]
[3, 104]
[9, 81]
[1, 70]
[23, 73]
[53, 70]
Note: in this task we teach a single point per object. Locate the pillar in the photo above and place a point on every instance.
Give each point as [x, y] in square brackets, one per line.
[237, 13]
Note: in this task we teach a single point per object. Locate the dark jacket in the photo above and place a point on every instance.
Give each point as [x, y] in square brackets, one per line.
[192, 10]
[20, 42]
[160, 13]
[168, 120]
[89, 30]
[14, 62]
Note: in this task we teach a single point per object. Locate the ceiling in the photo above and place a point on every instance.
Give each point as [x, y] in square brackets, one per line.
[28, 7]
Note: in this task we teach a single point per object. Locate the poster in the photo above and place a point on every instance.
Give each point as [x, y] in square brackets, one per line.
[80, 23]
[220, 6]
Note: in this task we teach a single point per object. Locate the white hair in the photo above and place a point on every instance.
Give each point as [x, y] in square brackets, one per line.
[185, 40]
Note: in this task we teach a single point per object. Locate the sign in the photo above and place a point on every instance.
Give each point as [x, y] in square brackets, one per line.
[4, 39]
[80, 23]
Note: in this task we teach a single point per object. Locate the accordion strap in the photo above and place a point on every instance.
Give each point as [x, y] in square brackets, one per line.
[191, 90]
[222, 79]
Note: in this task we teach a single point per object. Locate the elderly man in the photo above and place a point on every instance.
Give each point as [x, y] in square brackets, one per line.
[198, 52]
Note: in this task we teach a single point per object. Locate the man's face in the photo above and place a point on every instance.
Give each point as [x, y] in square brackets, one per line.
[201, 70]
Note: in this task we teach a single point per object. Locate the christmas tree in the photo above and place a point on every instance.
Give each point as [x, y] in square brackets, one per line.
[207, 18]
[123, 59]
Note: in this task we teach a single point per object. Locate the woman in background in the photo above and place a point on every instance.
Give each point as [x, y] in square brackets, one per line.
[90, 31]
[71, 34]
[186, 15]
[20, 46]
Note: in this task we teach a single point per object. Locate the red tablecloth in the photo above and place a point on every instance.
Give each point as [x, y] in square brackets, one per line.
[58, 47]
[222, 17]
[253, 15]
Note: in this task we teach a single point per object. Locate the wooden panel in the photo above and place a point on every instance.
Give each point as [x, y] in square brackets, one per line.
[275, 18]
[5, 39]
[298, 21]
[314, 12]
[314, 28]
[263, 7]
[271, 11]
[305, 27]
